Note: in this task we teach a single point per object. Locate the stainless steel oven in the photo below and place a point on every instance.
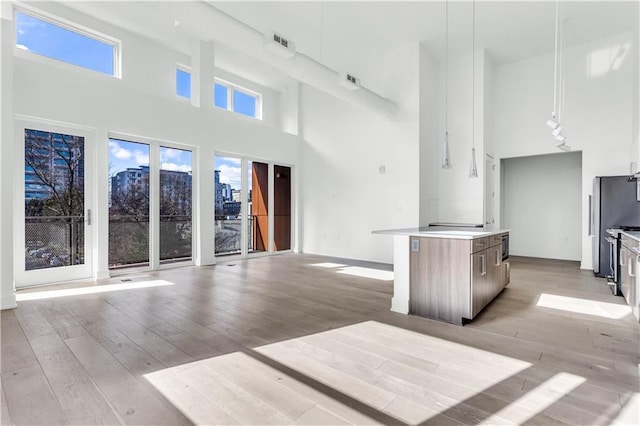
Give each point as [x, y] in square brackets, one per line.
[614, 240]
[505, 247]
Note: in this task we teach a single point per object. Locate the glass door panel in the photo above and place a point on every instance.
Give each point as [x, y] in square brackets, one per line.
[258, 207]
[228, 205]
[128, 204]
[282, 208]
[175, 205]
[55, 234]
[54, 200]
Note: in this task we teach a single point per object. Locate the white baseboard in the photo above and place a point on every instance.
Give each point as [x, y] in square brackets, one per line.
[400, 306]
[8, 302]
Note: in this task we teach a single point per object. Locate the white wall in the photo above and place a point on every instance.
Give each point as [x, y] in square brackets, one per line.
[596, 118]
[431, 139]
[460, 198]
[343, 195]
[541, 199]
[143, 104]
[7, 297]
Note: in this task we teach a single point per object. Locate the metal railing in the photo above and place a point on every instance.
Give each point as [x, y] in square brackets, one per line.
[129, 239]
[53, 241]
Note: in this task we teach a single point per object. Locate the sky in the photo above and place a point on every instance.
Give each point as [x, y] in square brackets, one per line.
[230, 170]
[55, 42]
[123, 155]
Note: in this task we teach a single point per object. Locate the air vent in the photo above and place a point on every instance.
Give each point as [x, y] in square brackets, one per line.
[349, 81]
[279, 45]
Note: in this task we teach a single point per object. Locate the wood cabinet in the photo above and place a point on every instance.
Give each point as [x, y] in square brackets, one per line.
[453, 279]
[630, 284]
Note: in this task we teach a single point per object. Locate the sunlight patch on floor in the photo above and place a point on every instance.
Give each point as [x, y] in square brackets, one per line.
[357, 271]
[50, 294]
[538, 399]
[583, 306]
[328, 265]
[375, 274]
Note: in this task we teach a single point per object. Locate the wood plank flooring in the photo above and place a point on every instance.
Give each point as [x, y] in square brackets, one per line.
[310, 340]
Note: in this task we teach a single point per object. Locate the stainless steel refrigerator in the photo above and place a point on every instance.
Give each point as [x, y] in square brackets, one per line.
[615, 202]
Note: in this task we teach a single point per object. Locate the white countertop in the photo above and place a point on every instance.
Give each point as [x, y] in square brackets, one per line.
[632, 234]
[461, 233]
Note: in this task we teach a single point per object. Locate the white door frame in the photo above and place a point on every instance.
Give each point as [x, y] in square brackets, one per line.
[154, 200]
[24, 278]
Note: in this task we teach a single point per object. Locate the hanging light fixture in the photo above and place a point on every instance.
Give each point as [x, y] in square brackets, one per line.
[473, 169]
[554, 121]
[446, 160]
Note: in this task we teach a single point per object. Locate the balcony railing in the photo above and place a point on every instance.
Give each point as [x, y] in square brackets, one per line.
[129, 239]
[53, 241]
[229, 238]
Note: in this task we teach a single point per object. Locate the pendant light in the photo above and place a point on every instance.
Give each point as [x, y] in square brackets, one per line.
[446, 160]
[473, 169]
[558, 80]
[553, 122]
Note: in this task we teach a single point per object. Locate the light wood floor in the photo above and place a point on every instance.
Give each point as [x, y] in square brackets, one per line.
[299, 339]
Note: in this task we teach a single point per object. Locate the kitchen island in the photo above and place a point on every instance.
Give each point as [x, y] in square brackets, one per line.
[448, 273]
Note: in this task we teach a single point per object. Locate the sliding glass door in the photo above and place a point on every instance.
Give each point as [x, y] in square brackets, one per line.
[252, 207]
[150, 204]
[228, 205]
[175, 205]
[128, 203]
[55, 216]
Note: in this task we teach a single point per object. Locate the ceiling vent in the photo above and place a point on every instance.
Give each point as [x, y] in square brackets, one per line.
[349, 81]
[279, 45]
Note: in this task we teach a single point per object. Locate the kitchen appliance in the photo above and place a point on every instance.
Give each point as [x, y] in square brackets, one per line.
[505, 247]
[614, 238]
[613, 203]
[457, 225]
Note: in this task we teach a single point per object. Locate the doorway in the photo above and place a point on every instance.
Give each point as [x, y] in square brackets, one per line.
[252, 207]
[542, 205]
[54, 223]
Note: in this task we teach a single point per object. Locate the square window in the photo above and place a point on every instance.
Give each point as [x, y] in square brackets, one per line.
[244, 103]
[183, 83]
[220, 95]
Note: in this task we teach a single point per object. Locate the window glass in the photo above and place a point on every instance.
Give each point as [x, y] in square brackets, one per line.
[54, 41]
[183, 83]
[220, 96]
[244, 103]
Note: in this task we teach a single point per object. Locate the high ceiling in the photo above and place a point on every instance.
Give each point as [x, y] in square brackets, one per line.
[339, 33]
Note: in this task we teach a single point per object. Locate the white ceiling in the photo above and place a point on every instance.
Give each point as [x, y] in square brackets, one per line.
[339, 33]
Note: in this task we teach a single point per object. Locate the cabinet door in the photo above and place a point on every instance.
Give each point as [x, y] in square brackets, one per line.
[625, 285]
[495, 270]
[632, 271]
[480, 286]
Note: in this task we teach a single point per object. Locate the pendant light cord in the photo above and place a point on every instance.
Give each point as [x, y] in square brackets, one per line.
[473, 75]
[561, 66]
[446, 67]
[555, 62]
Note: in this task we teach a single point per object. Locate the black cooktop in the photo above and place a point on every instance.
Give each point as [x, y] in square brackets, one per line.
[626, 227]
